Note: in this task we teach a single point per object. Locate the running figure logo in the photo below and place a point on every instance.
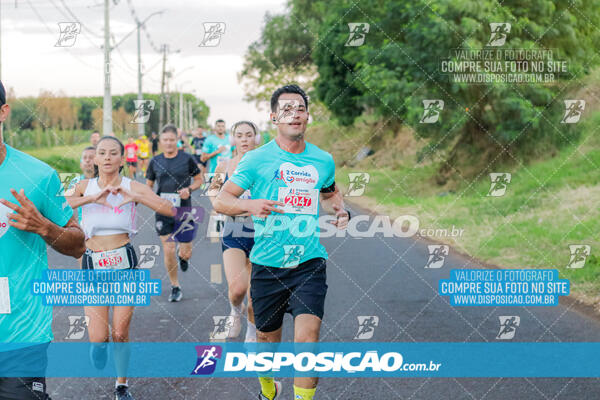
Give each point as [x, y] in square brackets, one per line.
[358, 183]
[207, 359]
[186, 223]
[68, 180]
[432, 111]
[212, 34]
[77, 325]
[68, 33]
[148, 255]
[573, 111]
[500, 31]
[366, 326]
[143, 109]
[287, 110]
[358, 33]
[508, 327]
[292, 255]
[222, 326]
[500, 181]
[579, 253]
[437, 255]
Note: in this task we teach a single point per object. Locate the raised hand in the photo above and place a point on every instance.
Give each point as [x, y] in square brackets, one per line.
[342, 217]
[102, 197]
[128, 196]
[26, 216]
[262, 208]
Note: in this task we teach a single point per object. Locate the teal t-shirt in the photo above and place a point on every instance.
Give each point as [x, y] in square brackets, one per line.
[24, 254]
[211, 144]
[286, 240]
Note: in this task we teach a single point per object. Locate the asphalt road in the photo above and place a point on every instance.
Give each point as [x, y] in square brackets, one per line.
[379, 276]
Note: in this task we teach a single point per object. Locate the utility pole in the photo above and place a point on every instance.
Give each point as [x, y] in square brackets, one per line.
[141, 127]
[181, 124]
[161, 118]
[107, 105]
[168, 105]
[190, 117]
[140, 96]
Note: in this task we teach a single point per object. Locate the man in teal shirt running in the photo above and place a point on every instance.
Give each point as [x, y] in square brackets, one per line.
[33, 214]
[216, 147]
[288, 180]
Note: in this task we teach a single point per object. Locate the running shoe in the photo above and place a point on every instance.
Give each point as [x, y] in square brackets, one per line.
[236, 325]
[183, 264]
[176, 294]
[277, 392]
[98, 354]
[122, 393]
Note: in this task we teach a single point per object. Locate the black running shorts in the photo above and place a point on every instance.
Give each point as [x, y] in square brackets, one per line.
[299, 290]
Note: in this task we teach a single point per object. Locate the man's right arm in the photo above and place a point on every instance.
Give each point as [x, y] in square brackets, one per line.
[207, 156]
[228, 202]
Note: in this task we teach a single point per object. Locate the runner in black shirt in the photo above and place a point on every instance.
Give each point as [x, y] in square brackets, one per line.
[173, 171]
[154, 144]
[196, 143]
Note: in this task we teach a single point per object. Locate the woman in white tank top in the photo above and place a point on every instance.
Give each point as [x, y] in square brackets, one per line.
[108, 204]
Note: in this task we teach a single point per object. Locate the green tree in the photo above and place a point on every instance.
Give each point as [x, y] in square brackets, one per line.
[398, 67]
[283, 53]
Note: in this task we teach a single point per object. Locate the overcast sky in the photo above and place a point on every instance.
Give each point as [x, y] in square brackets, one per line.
[31, 62]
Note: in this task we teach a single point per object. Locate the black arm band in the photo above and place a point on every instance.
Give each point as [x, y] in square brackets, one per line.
[328, 189]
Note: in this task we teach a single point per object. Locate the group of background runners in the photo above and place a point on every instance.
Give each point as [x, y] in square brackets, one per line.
[284, 178]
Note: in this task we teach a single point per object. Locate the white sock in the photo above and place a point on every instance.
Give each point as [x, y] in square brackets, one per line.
[237, 310]
[250, 330]
[117, 384]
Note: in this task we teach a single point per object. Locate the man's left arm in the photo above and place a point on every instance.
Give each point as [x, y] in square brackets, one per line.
[197, 180]
[332, 199]
[332, 202]
[68, 240]
[59, 228]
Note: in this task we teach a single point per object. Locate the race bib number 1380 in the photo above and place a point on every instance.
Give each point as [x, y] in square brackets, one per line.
[299, 201]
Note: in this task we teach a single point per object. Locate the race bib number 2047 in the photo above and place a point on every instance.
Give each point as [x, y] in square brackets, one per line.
[298, 200]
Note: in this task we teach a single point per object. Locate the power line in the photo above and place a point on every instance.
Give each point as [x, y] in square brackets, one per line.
[77, 19]
[152, 44]
[121, 54]
[52, 32]
[137, 21]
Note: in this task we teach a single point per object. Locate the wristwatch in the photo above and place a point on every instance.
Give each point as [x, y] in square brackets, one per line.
[348, 211]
